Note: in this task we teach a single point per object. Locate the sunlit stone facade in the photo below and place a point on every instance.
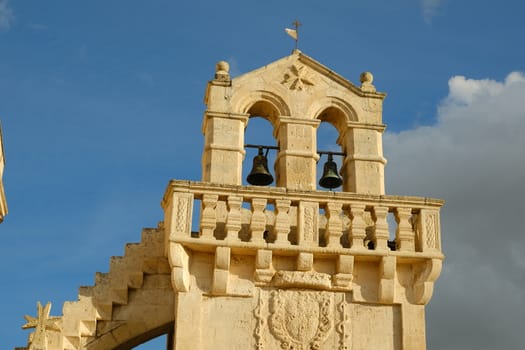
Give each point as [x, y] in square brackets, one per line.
[288, 266]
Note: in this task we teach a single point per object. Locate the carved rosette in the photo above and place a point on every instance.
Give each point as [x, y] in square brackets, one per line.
[301, 320]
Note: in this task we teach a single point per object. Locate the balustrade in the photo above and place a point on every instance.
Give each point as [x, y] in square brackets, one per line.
[316, 221]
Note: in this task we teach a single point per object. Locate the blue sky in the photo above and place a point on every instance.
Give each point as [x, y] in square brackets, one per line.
[101, 103]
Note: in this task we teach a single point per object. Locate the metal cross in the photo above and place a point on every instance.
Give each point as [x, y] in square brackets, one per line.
[297, 24]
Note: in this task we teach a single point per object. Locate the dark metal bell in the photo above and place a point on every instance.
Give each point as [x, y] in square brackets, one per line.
[330, 178]
[260, 176]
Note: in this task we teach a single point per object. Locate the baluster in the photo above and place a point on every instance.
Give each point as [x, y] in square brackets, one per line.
[208, 215]
[282, 221]
[404, 232]
[380, 232]
[358, 227]
[233, 221]
[334, 227]
[258, 220]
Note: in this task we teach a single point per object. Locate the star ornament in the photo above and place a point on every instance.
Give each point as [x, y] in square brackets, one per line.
[42, 323]
[299, 79]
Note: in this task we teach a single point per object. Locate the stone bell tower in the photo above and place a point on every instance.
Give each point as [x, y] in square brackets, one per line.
[292, 267]
[271, 267]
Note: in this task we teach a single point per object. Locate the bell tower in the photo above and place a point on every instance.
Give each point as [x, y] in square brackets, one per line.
[291, 266]
[295, 95]
[271, 266]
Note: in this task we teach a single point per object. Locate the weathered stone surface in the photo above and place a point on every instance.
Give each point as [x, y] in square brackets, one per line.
[285, 267]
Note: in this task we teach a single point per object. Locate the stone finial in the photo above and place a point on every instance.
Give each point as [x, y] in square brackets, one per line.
[366, 79]
[43, 323]
[222, 71]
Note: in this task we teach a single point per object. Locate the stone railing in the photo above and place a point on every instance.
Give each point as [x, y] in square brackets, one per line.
[318, 222]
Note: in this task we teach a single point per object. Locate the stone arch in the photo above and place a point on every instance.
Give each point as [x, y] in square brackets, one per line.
[334, 111]
[262, 103]
[127, 306]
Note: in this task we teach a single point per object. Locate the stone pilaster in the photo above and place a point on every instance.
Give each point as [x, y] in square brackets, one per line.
[297, 158]
[364, 165]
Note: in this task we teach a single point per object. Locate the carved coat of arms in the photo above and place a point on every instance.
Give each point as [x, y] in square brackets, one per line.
[301, 320]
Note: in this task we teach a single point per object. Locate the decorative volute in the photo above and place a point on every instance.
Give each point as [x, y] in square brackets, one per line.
[295, 94]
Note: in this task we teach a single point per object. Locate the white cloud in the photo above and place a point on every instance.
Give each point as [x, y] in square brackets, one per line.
[473, 157]
[6, 15]
[430, 8]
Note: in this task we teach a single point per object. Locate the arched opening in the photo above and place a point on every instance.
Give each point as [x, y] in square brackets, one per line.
[260, 131]
[160, 338]
[333, 121]
[158, 343]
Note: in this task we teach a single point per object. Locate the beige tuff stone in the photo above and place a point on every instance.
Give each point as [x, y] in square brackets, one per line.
[284, 267]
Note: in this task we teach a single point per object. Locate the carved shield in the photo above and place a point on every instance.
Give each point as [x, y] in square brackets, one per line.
[301, 320]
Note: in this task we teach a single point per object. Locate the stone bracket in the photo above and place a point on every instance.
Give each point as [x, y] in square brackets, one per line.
[305, 261]
[387, 273]
[263, 266]
[179, 262]
[221, 271]
[344, 272]
[424, 277]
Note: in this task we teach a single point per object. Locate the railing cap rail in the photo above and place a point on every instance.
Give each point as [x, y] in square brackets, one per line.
[200, 188]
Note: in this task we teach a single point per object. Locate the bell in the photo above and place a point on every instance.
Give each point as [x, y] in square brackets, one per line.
[330, 178]
[260, 176]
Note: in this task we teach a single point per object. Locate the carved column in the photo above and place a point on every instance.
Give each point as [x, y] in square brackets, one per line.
[258, 220]
[380, 232]
[233, 222]
[358, 228]
[404, 232]
[297, 158]
[334, 227]
[282, 221]
[208, 215]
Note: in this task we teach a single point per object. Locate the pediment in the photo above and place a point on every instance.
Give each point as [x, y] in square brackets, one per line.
[301, 73]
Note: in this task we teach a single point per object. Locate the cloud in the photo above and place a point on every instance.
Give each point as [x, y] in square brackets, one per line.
[6, 15]
[429, 8]
[473, 157]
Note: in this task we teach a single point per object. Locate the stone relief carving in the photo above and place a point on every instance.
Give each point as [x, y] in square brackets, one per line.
[301, 320]
[42, 324]
[430, 226]
[304, 279]
[298, 78]
[182, 214]
[309, 224]
[372, 105]
[259, 319]
[342, 326]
